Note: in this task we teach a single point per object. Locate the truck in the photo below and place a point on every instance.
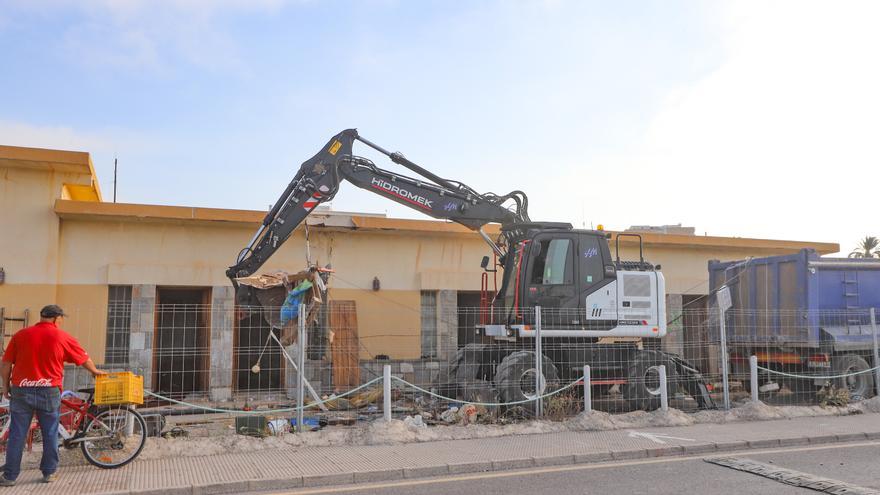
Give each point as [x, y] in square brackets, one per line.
[803, 315]
[587, 297]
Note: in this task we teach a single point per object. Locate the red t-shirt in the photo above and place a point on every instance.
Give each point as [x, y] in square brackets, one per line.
[38, 354]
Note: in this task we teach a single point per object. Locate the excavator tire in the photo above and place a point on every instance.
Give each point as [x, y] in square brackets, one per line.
[642, 388]
[468, 368]
[515, 379]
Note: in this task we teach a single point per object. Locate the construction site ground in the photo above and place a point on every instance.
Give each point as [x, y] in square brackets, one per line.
[288, 467]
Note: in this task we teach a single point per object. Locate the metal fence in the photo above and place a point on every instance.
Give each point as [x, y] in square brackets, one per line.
[213, 369]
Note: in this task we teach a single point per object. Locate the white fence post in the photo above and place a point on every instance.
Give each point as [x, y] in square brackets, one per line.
[876, 352]
[753, 376]
[664, 396]
[588, 392]
[301, 375]
[539, 364]
[724, 302]
[386, 392]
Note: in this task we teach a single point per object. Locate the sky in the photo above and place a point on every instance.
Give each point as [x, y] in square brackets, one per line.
[739, 118]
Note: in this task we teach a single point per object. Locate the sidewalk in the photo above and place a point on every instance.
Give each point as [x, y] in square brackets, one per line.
[291, 468]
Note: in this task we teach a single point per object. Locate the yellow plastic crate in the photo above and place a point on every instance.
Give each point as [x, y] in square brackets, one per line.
[119, 388]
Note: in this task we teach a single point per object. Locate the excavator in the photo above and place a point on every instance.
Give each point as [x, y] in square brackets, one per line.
[594, 308]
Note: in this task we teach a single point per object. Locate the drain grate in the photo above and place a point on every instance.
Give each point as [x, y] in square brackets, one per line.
[792, 477]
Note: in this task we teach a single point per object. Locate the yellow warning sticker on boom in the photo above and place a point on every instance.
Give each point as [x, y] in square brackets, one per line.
[335, 147]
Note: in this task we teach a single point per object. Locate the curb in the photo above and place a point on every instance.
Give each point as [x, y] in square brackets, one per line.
[397, 474]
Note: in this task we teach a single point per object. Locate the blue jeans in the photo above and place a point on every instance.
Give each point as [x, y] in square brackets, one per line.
[24, 403]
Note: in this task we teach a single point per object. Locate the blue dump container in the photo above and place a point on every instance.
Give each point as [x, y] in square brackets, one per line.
[802, 314]
[800, 299]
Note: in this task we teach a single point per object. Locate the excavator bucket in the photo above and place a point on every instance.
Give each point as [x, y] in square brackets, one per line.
[270, 294]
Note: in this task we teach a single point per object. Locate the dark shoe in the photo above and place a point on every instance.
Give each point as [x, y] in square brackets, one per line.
[49, 478]
[6, 482]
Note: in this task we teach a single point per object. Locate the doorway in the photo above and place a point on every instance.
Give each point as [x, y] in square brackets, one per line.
[468, 302]
[181, 343]
[258, 359]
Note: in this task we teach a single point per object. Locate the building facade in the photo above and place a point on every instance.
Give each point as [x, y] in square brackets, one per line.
[115, 266]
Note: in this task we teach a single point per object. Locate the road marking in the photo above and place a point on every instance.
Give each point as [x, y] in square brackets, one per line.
[656, 437]
[560, 469]
[791, 477]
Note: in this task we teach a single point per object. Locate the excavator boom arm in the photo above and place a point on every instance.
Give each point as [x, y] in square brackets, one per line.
[318, 181]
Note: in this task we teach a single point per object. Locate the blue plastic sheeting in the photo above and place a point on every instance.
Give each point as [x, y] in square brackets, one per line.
[290, 308]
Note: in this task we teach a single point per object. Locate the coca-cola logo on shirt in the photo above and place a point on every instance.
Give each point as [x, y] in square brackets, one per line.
[42, 382]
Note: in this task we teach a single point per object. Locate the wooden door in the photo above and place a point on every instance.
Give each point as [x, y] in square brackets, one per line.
[345, 347]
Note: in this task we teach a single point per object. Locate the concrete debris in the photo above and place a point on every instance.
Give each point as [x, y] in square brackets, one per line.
[468, 414]
[871, 405]
[450, 415]
[414, 421]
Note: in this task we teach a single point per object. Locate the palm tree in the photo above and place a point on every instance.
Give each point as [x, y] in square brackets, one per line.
[867, 248]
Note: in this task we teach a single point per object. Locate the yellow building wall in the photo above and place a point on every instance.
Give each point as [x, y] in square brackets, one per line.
[132, 253]
[29, 233]
[86, 306]
[389, 321]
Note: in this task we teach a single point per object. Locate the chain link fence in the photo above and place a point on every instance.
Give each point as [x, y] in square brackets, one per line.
[214, 369]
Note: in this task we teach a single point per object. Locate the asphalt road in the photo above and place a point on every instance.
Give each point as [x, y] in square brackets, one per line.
[857, 464]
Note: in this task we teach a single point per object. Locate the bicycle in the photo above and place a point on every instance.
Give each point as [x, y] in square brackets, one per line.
[109, 436]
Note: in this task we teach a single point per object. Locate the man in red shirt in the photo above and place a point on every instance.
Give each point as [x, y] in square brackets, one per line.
[33, 372]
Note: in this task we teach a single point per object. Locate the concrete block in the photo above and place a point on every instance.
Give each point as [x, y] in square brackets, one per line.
[221, 394]
[852, 437]
[556, 460]
[220, 377]
[594, 457]
[432, 365]
[470, 467]
[381, 475]
[699, 448]
[143, 291]
[407, 368]
[509, 464]
[791, 442]
[664, 451]
[218, 488]
[267, 485]
[621, 455]
[328, 479]
[823, 439]
[146, 321]
[764, 444]
[425, 472]
[173, 490]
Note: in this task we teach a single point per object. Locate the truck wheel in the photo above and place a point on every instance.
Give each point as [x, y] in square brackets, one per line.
[860, 386]
[515, 379]
[642, 388]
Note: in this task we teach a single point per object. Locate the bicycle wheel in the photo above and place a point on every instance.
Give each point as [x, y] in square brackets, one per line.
[4, 428]
[114, 437]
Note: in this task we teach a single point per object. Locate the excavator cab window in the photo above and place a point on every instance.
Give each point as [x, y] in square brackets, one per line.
[552, 264]
[550, 276]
